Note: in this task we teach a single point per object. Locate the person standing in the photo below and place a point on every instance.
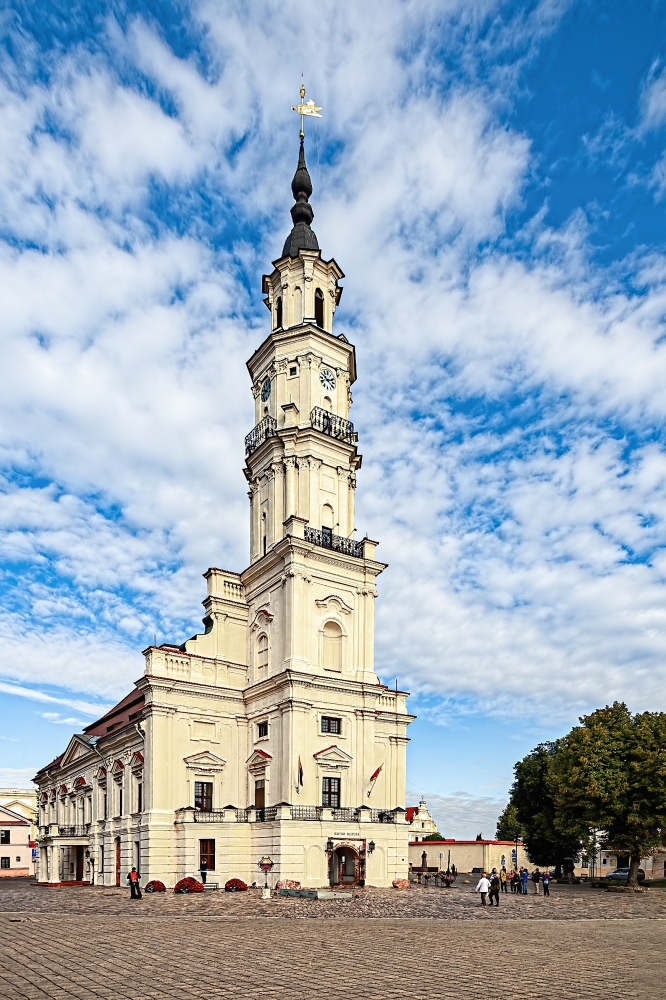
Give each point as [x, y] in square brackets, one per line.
[524, 875]
[503, 879]
[545, 878]
[494, 887]
[134, 880]
[483, 887]
[536, 878]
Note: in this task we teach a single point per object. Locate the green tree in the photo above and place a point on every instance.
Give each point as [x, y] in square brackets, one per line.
[508, 825]
[433, 836]
[610, 773]
[532, 796]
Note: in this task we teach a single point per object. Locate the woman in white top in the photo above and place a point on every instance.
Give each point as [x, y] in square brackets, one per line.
[483, 887]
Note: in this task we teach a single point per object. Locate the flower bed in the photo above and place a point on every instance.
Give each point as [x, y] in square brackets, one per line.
[188, 884]
[155, 886]
[235, 885]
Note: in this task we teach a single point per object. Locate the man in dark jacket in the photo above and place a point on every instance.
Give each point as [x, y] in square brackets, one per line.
[134, 880]
[494, 887]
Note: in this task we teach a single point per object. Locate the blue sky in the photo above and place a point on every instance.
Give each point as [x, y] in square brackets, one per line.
[492, 179]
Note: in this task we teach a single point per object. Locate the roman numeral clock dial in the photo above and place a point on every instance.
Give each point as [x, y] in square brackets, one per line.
[327, 378]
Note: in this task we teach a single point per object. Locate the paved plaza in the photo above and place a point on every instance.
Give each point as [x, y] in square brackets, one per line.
[89, 943]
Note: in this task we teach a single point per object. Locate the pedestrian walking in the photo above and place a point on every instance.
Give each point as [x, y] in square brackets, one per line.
[536, 878]
[503, 879]
[483, 887]
[545, 878]
[515, 879]
[524, 875]
[134, 880]
[494, 887]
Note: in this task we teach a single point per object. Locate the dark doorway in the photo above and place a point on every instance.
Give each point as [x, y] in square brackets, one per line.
[319, 308]
[117, 860]
[345, 866]
[79, 863]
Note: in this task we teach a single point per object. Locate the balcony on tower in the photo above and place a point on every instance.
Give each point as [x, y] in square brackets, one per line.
[333, 425]
[264, 429]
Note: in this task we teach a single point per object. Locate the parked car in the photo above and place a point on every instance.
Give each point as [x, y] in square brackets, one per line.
[622, 874]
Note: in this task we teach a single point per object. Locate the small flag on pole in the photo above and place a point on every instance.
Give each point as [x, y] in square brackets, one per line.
[373, 778]
[300, 776]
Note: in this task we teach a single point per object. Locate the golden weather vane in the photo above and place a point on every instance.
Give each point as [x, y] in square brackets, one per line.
[306, 108]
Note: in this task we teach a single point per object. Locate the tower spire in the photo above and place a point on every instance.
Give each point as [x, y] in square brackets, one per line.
[302, 237]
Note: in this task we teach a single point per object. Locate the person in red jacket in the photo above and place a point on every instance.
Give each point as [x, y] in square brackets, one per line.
[134, 880]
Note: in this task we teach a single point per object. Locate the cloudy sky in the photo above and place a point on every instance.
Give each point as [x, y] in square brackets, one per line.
[492, 179]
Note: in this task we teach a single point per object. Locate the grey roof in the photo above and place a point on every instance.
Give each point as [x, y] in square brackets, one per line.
[302, 236]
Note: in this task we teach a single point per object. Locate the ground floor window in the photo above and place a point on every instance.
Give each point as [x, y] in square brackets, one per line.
[4, 862]
[203, 795]
[207, 855]
[330, 792]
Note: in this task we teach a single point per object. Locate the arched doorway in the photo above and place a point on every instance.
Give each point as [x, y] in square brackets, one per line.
[117, 842]
[345, 866]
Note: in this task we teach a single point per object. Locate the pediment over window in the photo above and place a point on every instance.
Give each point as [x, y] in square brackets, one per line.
[262, 619]
[101, 776]
[334, 603]
[258, 761]
[333, 757]
[117, 770]
[136, 762]
[205, 761]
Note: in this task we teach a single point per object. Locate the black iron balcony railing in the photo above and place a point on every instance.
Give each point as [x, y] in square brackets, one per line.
[74, 831]
[327, 540]
[265, 428]
[333, 425]
[306, 812]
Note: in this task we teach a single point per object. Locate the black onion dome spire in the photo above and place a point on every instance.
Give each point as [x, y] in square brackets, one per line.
[302, 236]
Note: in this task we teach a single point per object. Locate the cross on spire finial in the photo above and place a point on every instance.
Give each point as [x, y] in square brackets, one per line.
[305, 108]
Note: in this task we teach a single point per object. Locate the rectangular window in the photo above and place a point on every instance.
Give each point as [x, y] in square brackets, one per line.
[101, 860]
[263, 729]
[120, 802]
[329, 725]
[260, 793]
[137, 855]
[4, 837]
[330, 794]
[4, 862]
[105, 813]
[139, 797]
[207, 855]
[203, 795]
[293, 371]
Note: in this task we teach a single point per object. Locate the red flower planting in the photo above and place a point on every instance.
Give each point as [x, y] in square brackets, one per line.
[155, 886]
[188, 884]
[235, 885]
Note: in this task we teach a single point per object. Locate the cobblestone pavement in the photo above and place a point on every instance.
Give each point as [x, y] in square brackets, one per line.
[95, 943]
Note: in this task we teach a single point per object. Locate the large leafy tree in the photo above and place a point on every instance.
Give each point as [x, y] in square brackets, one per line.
[535, 810]
[610, 773]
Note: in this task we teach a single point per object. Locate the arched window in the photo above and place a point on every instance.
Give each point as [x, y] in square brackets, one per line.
[327, 516]
[319, 308]
[278, 313]
[263, 533]
[332, 646]
[328, 405]
[262, 655]
[298, 306]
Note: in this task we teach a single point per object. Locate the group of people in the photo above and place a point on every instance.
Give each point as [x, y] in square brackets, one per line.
[491, 885]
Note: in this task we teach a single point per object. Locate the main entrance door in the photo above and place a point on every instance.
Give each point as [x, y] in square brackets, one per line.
[117, 860]
[79, 863]
[345, 866]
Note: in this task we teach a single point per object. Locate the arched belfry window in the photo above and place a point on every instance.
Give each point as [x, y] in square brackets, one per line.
[278, 313]
[319, 308]
[332, 647]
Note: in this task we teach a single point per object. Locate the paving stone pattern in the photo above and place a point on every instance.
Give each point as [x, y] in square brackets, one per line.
[86, 943]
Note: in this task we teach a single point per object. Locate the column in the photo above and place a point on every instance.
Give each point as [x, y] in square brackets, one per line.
[290, 475]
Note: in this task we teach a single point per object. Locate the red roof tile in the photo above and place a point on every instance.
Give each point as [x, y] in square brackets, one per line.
[126, 711]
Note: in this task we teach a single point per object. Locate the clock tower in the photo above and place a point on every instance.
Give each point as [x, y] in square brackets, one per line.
[269, 732]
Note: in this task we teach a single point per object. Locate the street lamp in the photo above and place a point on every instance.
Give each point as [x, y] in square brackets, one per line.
[266, 865]
[371, 847]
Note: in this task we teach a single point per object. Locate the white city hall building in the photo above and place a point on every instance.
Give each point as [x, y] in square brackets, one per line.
[269, 733]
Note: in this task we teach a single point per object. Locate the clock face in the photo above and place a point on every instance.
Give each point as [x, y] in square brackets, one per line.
[327, 378]
[266, 390]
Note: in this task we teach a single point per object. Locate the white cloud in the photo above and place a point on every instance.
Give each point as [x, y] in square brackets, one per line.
[462, 816]
[16, 777]
[507, 396]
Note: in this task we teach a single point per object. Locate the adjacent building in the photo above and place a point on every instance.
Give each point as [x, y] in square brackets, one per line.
[269, 732]
[15, 844]
[473, 856]
[421, 823]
